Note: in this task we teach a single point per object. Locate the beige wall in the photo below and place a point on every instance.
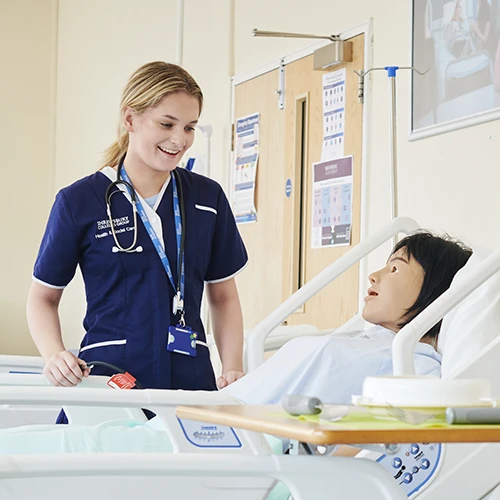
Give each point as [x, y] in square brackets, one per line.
[207, 55]
[101, 43]
[27, 55]
[446, 182]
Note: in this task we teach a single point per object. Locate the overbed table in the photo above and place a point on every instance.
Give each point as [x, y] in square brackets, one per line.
[354, 428]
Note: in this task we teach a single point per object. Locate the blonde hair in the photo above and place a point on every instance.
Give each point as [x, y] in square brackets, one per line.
[145, 89]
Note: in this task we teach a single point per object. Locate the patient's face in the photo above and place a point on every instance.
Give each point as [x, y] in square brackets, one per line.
[394, 289]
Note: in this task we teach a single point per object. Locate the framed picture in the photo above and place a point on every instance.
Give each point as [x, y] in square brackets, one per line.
[456, 42]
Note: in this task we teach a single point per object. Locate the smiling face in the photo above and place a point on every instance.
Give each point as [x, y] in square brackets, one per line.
[160, 135]
[394, 289]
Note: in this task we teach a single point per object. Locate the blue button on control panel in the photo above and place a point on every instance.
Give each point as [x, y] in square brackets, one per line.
[414, 466]
[425, 464]
[407, 478]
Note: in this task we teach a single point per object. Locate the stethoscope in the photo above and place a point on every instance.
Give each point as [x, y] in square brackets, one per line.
[112, 189]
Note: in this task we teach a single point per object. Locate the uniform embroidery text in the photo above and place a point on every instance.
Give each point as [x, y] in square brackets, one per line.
[105, 224]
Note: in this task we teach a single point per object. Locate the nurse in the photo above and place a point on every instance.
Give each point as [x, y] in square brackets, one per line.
[147, 237]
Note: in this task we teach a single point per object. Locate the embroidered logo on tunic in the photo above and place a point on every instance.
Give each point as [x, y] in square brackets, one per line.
[105, 224]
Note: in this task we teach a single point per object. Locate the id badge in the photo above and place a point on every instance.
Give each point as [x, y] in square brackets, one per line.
[182, 339]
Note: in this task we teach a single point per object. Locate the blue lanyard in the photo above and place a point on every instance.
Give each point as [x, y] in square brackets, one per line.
[178, 303]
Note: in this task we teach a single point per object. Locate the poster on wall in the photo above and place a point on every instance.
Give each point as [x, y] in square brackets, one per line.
[332, 203]
[333, 114]
[246, 147]
[456, 42]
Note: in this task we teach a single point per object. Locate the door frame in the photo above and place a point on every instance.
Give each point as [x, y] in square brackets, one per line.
[365, 28]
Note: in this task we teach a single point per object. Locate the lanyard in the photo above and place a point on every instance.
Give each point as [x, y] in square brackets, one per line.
[178, 302]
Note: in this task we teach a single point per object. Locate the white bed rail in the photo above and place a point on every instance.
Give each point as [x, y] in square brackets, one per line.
[405, 341]
[25, 364]
[78, 396]
[257, 336]
[125, 476]
[92, 406]
[31, 399]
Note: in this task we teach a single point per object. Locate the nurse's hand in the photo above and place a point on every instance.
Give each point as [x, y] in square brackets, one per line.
[64, 369]
[228, 378]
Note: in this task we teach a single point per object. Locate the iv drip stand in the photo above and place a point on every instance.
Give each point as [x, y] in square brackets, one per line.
[391, 74]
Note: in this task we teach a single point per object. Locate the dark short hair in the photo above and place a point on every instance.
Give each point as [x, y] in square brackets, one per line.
[441, 257]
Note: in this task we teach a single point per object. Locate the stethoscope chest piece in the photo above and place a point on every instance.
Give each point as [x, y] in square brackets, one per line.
[112, 189]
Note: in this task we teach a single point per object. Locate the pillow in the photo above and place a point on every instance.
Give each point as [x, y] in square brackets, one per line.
[474, 323]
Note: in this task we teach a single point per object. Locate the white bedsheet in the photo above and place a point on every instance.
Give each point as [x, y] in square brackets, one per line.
[113, 436]
[116, 436]
[331, 367]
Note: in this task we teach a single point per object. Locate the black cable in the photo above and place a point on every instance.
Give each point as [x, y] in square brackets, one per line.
[307, 448]
[111, 367]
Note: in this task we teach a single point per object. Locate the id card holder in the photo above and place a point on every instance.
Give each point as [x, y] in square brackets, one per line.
[182, 339]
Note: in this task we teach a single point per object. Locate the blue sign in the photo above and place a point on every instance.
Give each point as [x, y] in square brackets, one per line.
[288, 188]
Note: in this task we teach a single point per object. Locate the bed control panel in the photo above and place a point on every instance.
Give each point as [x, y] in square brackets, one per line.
[413, 465]
[205, 435]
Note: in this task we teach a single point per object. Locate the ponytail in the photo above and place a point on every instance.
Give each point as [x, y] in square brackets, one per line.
[115, 152]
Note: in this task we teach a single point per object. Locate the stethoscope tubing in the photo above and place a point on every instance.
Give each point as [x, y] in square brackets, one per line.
[111, 190]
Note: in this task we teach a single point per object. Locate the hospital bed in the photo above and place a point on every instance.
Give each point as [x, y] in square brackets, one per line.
[469, 342]
[452, 475]
[211, 462]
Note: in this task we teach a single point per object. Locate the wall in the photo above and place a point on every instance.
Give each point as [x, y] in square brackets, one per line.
[207, 55]
[101, 43]
[27, 89]
[447, 182]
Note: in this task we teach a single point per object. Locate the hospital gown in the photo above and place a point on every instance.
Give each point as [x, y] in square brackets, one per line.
[331, 368]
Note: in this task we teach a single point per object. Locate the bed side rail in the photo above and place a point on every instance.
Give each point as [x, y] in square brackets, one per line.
[258, 335]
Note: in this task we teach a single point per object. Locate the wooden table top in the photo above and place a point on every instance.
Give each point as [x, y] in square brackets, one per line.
[271, 419]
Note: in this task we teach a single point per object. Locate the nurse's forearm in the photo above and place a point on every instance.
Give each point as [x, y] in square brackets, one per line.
[227, 324]
[43, 320]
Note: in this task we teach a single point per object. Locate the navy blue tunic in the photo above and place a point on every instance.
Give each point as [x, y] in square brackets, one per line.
[129, 296]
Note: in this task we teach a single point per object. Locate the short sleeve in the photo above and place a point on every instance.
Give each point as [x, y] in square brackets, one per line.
[58, 256]
[228, 255]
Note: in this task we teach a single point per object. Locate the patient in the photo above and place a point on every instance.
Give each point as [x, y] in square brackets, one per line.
[333, 367]
[419, 269]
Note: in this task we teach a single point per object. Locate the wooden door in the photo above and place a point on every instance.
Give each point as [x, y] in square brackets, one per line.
[259, 285]
[338, 302]
[279, 243]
